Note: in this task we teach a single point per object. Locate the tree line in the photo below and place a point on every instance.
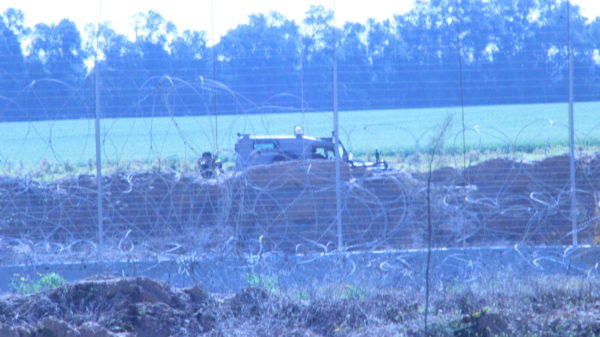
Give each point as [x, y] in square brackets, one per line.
[441, 53]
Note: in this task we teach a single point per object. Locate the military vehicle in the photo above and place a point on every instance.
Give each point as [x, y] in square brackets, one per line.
[261, 150]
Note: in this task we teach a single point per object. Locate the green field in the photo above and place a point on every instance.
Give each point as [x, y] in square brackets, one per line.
[392, 131]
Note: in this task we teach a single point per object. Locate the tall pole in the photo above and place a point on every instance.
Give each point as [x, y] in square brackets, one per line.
[99, 167]
[336, 135]
[214, 77]
[462, 96]
[99, 181]
[571, 132]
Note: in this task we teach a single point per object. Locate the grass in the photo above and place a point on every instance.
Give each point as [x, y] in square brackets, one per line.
[25, 285]
[394, 132]
[409, 161]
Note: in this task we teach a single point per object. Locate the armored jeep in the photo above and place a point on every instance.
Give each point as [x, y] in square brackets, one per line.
[260, 150]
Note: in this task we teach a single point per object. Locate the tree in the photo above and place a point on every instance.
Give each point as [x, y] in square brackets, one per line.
[354, 68]
[319, 39]
[153, 34]
[121, 71]
[391, 64]
[55, 62]
[191, 64]
[12, 62]
[495, 51]
[259, 60]
[58, 48]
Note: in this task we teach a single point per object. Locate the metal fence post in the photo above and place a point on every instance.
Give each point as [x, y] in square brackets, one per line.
[571, 132]
[336, 135]
[99, 181]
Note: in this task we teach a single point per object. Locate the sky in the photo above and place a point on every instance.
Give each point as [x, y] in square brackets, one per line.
[212, 16]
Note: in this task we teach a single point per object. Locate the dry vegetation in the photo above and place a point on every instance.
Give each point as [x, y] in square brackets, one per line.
[165, 213]
[501, 306]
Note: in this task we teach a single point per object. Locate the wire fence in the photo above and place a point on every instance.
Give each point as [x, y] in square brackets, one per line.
[154, 188]
[429, 171]
[476, 141]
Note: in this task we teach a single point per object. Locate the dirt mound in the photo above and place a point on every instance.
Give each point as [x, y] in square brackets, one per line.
[530, 201]
[140, 307]
[143, 307]
[147, 202]
[293, 206]
[497, 176]
[295, 174]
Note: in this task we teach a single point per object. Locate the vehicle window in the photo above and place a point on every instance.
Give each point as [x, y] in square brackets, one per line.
[264, 146]
[323, 153]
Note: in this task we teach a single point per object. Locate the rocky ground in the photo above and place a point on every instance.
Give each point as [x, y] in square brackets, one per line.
[111, 307]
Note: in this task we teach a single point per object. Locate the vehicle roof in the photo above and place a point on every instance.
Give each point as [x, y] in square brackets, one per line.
[278, 137]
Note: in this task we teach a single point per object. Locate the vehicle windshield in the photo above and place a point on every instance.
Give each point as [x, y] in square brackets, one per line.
[322, 152]
[327, 152]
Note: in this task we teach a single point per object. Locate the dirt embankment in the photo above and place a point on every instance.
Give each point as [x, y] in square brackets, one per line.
[293, 203]
[140, 307]
[146, 308]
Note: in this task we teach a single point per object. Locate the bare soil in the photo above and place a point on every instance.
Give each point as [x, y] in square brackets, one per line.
[110, 307]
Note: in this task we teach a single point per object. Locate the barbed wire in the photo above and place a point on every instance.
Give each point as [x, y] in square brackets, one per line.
[514, 191]
[290, 207]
